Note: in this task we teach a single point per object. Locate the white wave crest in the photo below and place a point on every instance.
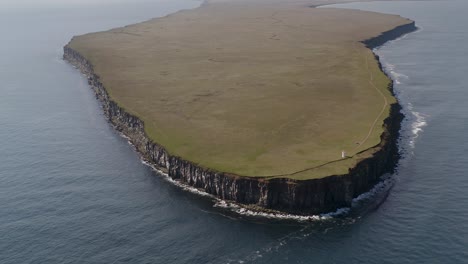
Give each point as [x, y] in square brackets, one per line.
[397, 77]
[385, 184]
[417, 122]
[414, 121]
[239, 209]
[177, 183]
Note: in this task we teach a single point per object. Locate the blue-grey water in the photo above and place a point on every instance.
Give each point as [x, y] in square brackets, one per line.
[73, 191]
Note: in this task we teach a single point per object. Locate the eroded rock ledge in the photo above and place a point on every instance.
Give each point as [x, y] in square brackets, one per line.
[280, 194]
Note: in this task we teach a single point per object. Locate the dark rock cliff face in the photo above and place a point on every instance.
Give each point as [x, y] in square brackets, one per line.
[390, 35]
[281, 194]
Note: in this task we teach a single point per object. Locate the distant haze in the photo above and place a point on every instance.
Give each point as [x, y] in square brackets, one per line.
[4, 4]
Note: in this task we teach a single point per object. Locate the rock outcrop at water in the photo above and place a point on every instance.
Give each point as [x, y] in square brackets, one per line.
[390, 35]
[280, 194]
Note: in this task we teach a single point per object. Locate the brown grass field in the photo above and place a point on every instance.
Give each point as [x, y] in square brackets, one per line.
[257, 90]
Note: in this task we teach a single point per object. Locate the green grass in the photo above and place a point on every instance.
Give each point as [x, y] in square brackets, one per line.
[263, 91]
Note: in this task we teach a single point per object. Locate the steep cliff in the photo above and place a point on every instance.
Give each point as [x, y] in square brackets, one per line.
[281, 194]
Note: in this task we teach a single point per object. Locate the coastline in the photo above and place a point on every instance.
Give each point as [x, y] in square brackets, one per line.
[301, 197]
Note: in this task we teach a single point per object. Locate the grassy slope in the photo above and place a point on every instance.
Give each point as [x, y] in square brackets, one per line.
[257, 91]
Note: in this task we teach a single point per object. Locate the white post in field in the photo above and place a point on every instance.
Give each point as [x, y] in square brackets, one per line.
[343, 154]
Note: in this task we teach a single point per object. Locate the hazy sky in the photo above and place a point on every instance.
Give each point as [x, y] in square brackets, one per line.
[63, 3]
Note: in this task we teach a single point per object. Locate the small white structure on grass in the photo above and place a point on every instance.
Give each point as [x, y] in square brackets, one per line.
[343, 154]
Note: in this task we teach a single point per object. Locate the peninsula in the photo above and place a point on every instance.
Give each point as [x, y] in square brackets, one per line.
[271, 104]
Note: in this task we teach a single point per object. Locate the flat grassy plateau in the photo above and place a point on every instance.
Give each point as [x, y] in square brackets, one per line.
[260, 91]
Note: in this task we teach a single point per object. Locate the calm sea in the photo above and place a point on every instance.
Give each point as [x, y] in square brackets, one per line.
[73, 191]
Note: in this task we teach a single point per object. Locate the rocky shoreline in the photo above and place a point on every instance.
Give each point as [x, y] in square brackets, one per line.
[301, 197]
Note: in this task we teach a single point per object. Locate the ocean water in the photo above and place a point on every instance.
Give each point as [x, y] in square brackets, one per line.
[72, 190]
